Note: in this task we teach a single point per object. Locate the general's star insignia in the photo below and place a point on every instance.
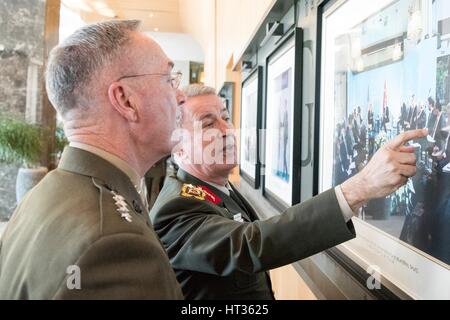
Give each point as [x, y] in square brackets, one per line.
[122, 206]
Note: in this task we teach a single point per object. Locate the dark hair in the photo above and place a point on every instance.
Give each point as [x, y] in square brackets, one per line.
[438, 106]
[431, 101]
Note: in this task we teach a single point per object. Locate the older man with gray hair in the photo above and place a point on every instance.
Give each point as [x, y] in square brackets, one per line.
[216, 244]
[84, 231]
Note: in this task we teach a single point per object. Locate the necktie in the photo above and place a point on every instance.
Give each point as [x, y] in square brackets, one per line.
[238, 201]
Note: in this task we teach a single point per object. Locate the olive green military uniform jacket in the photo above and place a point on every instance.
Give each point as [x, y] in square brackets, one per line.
[218, 248]
[71, 222]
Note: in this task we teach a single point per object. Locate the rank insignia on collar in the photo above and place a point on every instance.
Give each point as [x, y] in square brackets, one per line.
[209, 195]
[122, 206]
[199, 193]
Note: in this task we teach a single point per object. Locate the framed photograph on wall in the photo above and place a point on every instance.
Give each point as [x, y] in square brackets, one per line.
[384, 69]
[281, 185]
[226, 93]
[251, 115]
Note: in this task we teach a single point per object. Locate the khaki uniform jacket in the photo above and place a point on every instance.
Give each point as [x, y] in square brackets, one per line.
[216, 257]
[70, 220]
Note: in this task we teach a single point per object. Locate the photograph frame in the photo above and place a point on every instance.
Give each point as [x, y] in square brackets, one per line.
[226, 94]
[255, 180]
[348, 264]
[295, 36]
[347, 256]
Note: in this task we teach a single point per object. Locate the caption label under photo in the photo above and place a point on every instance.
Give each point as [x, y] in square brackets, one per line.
[228, 309]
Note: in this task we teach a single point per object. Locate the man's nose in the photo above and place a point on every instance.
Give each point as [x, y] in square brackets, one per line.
[181, 97]
[226, 129]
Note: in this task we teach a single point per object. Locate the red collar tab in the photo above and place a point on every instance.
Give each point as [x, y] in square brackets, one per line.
[209, 195]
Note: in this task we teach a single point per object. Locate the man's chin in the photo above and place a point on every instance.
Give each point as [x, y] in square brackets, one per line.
[222, 169]
[227, 166]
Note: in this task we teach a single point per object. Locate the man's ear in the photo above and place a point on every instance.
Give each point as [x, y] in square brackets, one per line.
[121, 99]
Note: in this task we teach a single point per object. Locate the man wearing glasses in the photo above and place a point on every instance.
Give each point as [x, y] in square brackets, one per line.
[84, 231]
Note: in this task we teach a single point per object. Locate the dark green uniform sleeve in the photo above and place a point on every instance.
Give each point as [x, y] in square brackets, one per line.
[203, 241]
[123, 266]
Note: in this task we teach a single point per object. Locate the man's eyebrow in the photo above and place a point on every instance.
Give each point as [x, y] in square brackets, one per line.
[204, 115]
[225, 111]
[171, 64]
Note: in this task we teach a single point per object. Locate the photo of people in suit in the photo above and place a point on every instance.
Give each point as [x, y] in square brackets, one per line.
[279, 148]
[249, 128]
[281, 156]
[397, 68]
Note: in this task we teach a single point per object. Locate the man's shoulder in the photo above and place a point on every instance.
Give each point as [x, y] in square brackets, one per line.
[59, 196]
[170, 190]
[82, 200]
[177, 190]
[62, 218]
[72, 211]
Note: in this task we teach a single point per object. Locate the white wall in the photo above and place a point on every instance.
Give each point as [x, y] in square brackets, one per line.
[183, 67]
[69, 22]
[182, 49]
[197, 18]
[237, 22]
[223, 28]
[178, 46]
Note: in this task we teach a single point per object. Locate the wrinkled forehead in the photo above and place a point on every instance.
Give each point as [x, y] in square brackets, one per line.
[147, 55]
[199, 106]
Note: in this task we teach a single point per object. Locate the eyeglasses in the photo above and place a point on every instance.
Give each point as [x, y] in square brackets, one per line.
[175, 77]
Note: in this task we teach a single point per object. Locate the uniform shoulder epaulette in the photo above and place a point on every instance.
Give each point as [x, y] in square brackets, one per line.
[199, 192]
[118, 215]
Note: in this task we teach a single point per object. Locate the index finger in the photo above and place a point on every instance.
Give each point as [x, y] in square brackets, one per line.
[407, 149]
[404, 137]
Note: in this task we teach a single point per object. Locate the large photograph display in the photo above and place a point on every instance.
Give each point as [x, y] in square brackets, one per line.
[283, 122]
[250, 126]
[385, 70]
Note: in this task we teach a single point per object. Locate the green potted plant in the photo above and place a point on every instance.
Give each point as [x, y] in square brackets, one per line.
[60, 143]
[20, 144]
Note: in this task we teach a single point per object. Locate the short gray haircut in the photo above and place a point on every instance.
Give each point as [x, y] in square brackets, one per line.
[196, 89]
[73, 63]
